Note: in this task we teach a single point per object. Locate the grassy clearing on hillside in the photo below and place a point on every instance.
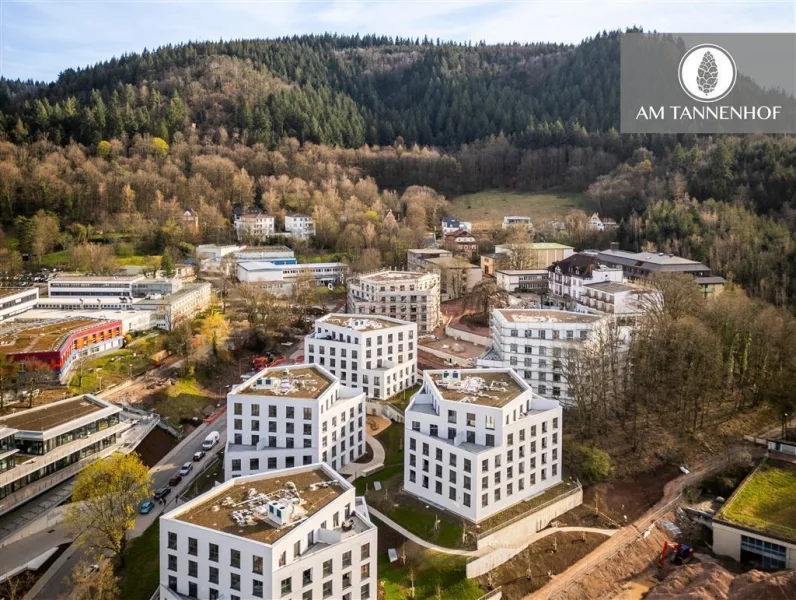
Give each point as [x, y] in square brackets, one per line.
[486, 209]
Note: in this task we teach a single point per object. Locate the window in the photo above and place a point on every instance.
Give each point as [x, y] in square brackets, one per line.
[172, 540]
[254, 464]
[238, 408]
[327, 589]
[346, 580]
[272, 462]
[297, 549]
[415, 425]
[213, 575]
[485, 465]
[470, 419]
[466, 482]
[193, 590]
[213, 552]
[484, 499]
[257, 588]
[497, 495]
[172, 562]
[364, 592]
[306, 577]
[467, 465]
[286, 586]
[466, 500]
[347, 559]
[438, 487]
[327, 568]
[236, 464]
[234, 558]
[451, 416]
[452, 493]
[172, 583]
[307, 595]
[490, 422]
[364, 552]
[234, 581]
[364, 571]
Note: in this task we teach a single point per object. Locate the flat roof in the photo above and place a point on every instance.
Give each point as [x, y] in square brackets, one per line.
[21, 336]
[10, 291]
[764, 501]
[288, 382]
[217, 507]
[545, 316]
[395, 275]
[612, 287]
[360, 322]
[52, 415]
[712, 280]
[522, 271]
[654, 258]
[264, 265]
[258, 249]
[188, 288]
[477, 386]
[77, 277]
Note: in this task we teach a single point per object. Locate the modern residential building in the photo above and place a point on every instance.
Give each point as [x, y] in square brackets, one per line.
[517, 221]
[762, 534]
[535, 343]
[451, 224]
[457, 275]
[71, 284]
[290, 416]
[41, 447]
[14, 301]
[280, 278]
[536, 255]
[298, 534]
[615, 298]
[569, 276]
[478, 441]
[377, 355]
[405, 295]
[461, 243]
[300, 227]
[643, 265]
[59, 343]
[418, 259]
[522, 280]
[254, 227]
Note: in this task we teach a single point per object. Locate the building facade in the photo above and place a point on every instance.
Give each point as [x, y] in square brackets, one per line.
[461, 243]
[377, 355]
[14, 301]
[278, 255]
[518, 221]
[280, 278]
[298, 533]
[41, 447]
[522, 280]
[568, 277]
[535, 343]
[536, 255]
[285, 417]
[478, 441]
[300, 227]
[93, 286]
[451, 224]
[615, 298]
[254, 227]
[404, 295]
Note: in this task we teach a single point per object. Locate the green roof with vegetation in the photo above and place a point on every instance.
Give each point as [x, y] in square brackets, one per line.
[765, 501]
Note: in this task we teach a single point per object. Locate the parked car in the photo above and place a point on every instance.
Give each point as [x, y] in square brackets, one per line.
[162, 493]
[175, 479]
[186, 468]
[146, 507]
[197, 456]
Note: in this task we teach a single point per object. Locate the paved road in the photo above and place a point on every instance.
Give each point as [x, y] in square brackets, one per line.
[378, 459]
[52, 583]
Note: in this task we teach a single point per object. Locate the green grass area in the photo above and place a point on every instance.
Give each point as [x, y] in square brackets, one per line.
[392, 439]
[54, 259]
[112, 368]
[485, 210]
[765, 500]
[401, 399]
[206, 481]
[137, 261]
[139, 576]
[431, 569]
[184, 399]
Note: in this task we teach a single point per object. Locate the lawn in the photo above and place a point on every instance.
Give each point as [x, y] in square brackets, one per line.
[485, 210]
[138, 261]
[185, 399]
[54, 259]
[392, 439]
[430, 569]
[765, 500]
[139, 577]
[401, 399]
[206, 481]
[113, 368]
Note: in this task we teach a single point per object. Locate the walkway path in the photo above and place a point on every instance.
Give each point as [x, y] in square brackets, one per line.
[539, 535]
[356, 469]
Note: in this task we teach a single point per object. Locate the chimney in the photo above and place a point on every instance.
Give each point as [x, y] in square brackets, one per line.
[614, 245]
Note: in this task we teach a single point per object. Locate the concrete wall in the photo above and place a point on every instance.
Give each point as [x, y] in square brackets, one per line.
[384, 410]
[49, 519]
[448, 358]
[727, 542]
[468, 336]
[513, 539]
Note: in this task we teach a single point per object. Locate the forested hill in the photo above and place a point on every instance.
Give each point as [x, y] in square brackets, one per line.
[330, 89]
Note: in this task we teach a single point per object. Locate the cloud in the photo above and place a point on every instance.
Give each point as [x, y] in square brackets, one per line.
[39, 39]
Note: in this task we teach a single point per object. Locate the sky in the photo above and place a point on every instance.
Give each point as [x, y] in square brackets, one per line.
[40, 39]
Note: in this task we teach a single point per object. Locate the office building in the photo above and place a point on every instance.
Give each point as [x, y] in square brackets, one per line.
[478, 441]
[405, 295]
[377, 355]
[280, 278]
[15, 301]
[292, 416]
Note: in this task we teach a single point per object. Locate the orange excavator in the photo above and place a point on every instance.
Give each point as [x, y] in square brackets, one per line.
[682, 553]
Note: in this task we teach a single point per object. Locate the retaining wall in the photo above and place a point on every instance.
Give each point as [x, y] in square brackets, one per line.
[468, 336]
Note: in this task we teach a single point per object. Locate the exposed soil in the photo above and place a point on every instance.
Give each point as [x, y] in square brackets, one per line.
[625, 500]
[543, 561]
[585, 516]
[157, 444]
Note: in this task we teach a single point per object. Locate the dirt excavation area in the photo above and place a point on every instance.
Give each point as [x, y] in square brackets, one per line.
[539, 562]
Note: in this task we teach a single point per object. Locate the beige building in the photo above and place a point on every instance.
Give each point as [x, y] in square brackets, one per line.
[538, 254]
[407, 295]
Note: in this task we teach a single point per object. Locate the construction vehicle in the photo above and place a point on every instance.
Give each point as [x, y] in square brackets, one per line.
[268, 360]
[682, 553]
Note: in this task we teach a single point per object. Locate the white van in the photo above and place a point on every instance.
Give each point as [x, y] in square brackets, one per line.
[211, 440]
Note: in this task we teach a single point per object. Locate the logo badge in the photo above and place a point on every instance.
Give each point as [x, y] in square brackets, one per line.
[707, 73]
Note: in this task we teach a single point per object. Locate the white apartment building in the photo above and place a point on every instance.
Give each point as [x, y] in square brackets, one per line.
[297, 534]
[69, 284]
[570, 276]
[513, 221]
[285, 417]
[522, 280]
[14, 301]
[478, 441]
[405, 295]
[535, 343]
[300, 227]
[374, 354]
[280, 278]
[254, 227]
[616, 298]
